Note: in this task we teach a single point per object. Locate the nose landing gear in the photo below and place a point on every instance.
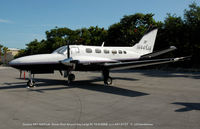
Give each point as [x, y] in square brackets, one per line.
[31, 82]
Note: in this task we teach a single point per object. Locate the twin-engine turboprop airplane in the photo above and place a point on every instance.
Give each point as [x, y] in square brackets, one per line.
[93, 58]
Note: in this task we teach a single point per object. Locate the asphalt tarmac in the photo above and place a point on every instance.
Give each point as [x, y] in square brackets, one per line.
[137, 99]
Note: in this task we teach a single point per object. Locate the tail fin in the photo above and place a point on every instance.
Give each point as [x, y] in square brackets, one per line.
[146, 44]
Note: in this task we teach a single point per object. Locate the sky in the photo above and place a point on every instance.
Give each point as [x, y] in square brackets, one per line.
[22, 21]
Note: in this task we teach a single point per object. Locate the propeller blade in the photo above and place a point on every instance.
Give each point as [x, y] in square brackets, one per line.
[68, 50]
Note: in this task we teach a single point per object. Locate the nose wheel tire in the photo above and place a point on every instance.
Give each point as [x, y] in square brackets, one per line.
[31, 83]
[108, 81]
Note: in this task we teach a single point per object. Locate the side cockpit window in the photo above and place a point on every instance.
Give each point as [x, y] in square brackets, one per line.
[61, 50]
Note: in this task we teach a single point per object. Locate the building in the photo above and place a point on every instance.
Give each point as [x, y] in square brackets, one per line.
[10, 54]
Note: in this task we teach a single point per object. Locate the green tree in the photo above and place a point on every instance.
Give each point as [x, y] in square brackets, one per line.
[192, 16]
[22, 52]
[182, 33]
[130, 29]
[1, 46]
[114, 35]
[172, 33]
[57, 37]
[84, 37]
[34, 47]
[5, 50]
[192, 21]
[97, 35]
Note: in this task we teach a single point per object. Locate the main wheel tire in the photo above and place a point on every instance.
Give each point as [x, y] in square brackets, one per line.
[71, 77]
[108, 81]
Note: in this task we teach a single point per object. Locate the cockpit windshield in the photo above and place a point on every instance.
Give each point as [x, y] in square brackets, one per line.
[61, 50]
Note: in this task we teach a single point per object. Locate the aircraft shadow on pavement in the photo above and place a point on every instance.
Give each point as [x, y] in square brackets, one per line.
[114, 78]
[44, 85]
[162, 73]
[107, 89]
[13, 86]
[187, 106]
[39, 83]
[156, 73]
[88, 85]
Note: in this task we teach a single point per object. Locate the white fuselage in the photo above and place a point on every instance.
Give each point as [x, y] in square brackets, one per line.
[84, 54]
[102, 54]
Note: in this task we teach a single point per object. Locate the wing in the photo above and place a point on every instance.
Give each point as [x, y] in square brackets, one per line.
[136, 64]
[113, 64]
[87, 60]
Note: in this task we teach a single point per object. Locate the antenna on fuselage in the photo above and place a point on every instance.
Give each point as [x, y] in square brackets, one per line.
[102, 45]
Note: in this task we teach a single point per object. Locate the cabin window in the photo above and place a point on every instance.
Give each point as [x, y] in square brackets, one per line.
[125, 52]
[98, 50]
[106, 51]
[114, 52]
[120, 51]
[88, 50]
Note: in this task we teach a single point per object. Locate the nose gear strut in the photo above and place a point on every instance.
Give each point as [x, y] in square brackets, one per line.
[31, 82]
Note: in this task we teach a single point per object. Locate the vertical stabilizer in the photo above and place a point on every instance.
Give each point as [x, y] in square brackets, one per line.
[146, 44]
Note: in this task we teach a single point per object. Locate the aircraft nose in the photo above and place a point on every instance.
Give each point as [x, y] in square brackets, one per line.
[37, 59]
[13, 62]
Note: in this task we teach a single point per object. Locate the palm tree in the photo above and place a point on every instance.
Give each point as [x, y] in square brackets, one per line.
[5, 50]
[0, 52]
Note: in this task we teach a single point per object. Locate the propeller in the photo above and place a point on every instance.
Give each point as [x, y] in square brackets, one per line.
[68, 50]
[69, 61]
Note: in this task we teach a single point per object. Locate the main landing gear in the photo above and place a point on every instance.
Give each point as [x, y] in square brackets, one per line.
[105, 72]
[31, 82]
[106, 77]
[70, 76]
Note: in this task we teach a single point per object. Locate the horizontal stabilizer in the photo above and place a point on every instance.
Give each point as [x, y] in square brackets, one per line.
[147, 56]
